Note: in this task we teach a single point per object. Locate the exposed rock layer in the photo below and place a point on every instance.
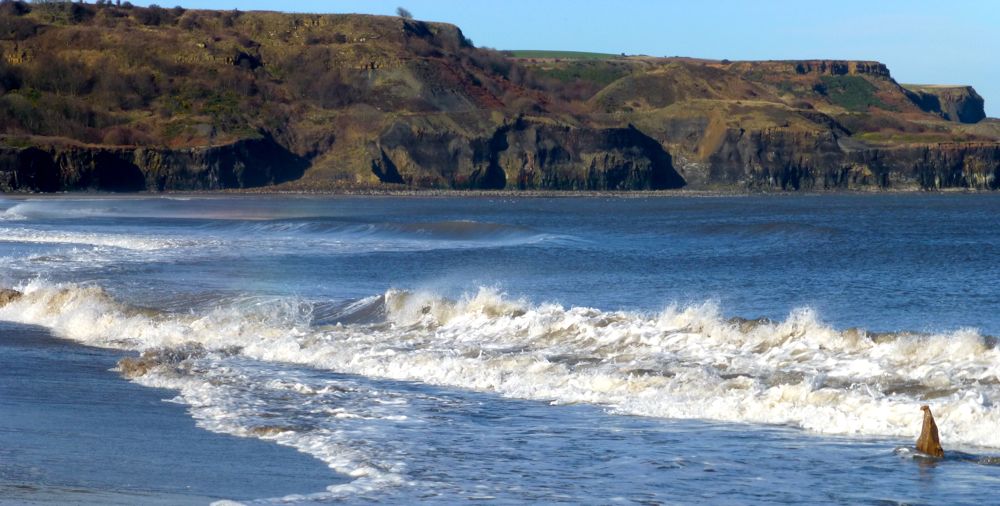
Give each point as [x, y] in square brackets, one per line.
[60, 167]
[525, 155]
[776, 160]
[953, 103]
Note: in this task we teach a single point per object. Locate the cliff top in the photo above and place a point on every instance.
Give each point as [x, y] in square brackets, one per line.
[936, 86]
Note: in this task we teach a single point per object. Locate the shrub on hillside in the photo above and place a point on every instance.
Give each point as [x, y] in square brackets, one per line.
[154, 15]
[14, 8]
[13, 24]
[52, 73]
[63, 12]
[10, 78]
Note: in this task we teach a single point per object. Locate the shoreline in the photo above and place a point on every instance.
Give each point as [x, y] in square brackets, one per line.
[73, 431]
[527, 194]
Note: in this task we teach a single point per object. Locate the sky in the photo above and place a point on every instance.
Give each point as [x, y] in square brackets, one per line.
[922, 42]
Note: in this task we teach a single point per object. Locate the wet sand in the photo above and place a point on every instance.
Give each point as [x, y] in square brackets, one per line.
[72, 431]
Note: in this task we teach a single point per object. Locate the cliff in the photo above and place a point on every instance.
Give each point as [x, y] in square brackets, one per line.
[527, 155]
[121, 98]
[58, 166]
[822, 162]
[953, 103]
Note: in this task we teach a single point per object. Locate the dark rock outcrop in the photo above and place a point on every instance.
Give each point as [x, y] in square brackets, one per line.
[59, 167]
[776, 160]
[953, 103]
[932, 167]
[526, 155]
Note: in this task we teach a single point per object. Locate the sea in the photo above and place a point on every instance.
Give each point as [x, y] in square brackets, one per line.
[497, 349]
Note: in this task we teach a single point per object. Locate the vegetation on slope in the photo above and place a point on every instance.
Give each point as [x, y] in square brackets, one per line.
[853, 93]
[370, 99]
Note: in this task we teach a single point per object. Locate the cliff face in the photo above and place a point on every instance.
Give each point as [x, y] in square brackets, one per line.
[779, 161]
[933, 167]
[817, 67]
[61, 167]
[120, 98]
[776, 160]
[953, 103]
[525, 155]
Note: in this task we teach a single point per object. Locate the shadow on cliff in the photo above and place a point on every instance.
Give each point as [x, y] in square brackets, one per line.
[525, 155]
[246, 163]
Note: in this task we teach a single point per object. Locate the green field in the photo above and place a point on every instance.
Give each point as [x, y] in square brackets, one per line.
[567, 55]
[596, 72]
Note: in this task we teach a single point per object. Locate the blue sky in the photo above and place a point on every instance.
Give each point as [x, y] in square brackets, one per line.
[929, 42]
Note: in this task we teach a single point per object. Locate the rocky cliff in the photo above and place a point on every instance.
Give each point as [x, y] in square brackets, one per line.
[526, 155]
[779, 161]
[121, 98]
[59, 167]
[953, 103]
[815, 67]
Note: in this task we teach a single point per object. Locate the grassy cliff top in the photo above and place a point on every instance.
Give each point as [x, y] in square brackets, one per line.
[911, 86]
[565, 55]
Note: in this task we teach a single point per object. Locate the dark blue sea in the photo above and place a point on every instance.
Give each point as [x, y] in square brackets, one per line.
[653, 350]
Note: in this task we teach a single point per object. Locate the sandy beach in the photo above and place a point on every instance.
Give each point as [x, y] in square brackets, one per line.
[73, 431]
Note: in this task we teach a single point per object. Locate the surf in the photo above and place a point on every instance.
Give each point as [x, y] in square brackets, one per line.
[682, 362]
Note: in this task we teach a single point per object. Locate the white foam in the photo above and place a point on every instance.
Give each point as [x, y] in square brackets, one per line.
[123, 241]
[219, 404]
[686, 362]
[86, 313]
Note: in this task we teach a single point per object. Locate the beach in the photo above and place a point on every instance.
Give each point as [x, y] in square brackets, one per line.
[73, 431]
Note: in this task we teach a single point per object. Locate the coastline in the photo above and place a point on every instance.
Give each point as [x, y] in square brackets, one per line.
[448, 193]
[73, 431]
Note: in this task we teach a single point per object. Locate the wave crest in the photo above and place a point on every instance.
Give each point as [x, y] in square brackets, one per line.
[684, 362]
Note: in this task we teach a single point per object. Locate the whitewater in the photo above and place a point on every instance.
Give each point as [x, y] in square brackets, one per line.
[805, 330]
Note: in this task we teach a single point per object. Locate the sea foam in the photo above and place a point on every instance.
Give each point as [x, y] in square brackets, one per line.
[683, 362]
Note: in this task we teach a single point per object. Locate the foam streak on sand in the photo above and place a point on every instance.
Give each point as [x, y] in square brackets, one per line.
[684, 362]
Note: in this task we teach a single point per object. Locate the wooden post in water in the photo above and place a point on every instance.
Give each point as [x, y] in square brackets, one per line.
[928, 442]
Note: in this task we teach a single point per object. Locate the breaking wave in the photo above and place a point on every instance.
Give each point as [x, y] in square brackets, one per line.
[121, 241]
[683, 362]
[217, 239]
[238, 221]
[461, 231]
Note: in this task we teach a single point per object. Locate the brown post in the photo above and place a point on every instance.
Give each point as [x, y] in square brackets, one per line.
[928, 442]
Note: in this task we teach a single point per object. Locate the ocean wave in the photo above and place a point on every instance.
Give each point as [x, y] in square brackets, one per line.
[121, 241]
[771, 228]
[683, 362]
[219, 239]
[454, 233]
[241, 221]
[52, 209]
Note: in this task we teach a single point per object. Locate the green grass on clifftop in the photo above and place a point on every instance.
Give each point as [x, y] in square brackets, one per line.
[597, 72]
[853, 93]
[566, 55]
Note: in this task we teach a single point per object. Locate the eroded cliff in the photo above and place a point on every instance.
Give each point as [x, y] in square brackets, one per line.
[953, 103]
[59, 166]
[526, 155]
